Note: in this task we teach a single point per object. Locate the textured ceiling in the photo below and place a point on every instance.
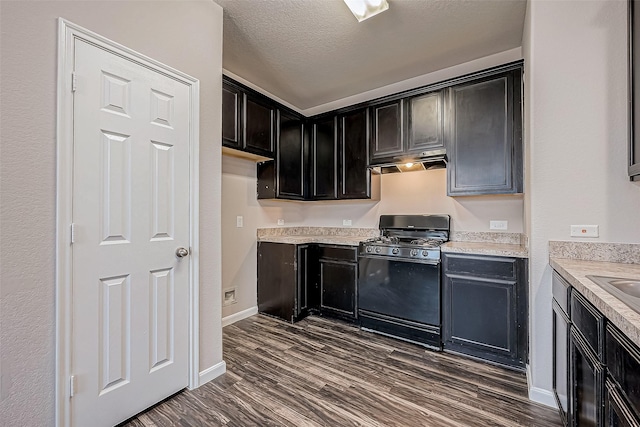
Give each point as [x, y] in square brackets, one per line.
[310, 52]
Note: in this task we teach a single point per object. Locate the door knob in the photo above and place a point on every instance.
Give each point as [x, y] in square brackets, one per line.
[182, 252]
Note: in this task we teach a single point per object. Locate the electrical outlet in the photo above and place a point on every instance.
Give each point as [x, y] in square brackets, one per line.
[584, 231]
[281, 222]
[239, 221]
[346, 222]
[498, 225]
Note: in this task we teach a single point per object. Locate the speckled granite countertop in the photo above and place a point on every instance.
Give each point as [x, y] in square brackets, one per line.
[487, 243]
[486, 248]
[327, 235]
[300, 240]
[575, 272]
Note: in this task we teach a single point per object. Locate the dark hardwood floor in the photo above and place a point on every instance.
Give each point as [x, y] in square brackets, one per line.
[321, 372]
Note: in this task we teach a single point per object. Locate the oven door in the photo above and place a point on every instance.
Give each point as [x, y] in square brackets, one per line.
[400, 289]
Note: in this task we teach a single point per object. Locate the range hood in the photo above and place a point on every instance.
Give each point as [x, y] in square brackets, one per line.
[427, 160]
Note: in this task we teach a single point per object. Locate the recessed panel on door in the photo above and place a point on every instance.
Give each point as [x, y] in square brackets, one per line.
[161, 310]
[115, 332]
[163, 187]
[161, 109]
[116, 188]
[115, 94]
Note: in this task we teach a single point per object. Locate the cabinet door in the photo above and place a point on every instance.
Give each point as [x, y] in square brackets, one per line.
[231, 116]
[266, 179]
[623, 363]
[277, 280]
[324, 143]
[290, 154]
[302, 296]
[481, 317]
[259, 126]
[485, 137]
[561, 362]
[338, 281]
[617, 412]
[355, 177]
[424, 118]
[586, 381]
[387, 141]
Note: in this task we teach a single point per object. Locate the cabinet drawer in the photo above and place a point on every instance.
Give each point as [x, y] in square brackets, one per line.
[341, 253]
[483, 266]
[561, 292]
[623, 361]
[589, 322]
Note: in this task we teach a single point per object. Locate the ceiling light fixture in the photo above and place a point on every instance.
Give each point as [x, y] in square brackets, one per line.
[363, 9]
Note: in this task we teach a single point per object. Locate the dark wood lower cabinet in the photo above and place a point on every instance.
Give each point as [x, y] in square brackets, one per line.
[586, 379]
[617, 411]
[277, 280]
[338, 281]
[603, 363]
[561, 378]
[484, 308]
[297, 280]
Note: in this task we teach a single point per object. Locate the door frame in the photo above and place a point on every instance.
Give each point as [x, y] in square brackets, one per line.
[67, 33]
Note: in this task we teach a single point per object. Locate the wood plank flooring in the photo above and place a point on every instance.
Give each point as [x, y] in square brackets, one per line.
[321, 372]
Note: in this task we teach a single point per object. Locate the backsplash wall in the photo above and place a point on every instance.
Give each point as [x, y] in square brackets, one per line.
[408, 193]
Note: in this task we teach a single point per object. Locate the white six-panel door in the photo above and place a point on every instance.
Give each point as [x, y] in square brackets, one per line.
[130, 308]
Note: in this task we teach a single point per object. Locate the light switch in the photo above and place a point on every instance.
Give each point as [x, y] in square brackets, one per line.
[239, 221]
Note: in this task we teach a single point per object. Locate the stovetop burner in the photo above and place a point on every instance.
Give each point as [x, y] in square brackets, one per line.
[427, 243]
[415, 237]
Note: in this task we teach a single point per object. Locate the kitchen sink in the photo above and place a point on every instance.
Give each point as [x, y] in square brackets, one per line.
[626, 290]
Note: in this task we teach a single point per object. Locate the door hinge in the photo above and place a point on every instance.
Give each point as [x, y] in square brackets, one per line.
[74, 81]
[72, 385]
[73, 232]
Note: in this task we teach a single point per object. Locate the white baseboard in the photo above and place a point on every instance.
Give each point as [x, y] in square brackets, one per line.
[212, 372]
[540, 395]
[226, 321]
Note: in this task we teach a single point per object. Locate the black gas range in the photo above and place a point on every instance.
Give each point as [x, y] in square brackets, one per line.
[399, 278]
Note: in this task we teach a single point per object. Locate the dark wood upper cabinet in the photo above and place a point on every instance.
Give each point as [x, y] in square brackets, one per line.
[425, 122]
[259, 126]
[290, 167]
[324, 158]
[231, 116]
[248, 120]
[355, 177]
[634, 91]
[405, 128]
[484, 137]
[387, 141]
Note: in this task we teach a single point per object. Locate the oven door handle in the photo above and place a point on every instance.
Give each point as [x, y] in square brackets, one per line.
[413, 260]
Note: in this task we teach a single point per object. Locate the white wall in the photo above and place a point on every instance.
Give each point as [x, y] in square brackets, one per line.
[186, 35]
[401, 193]
[576, 72]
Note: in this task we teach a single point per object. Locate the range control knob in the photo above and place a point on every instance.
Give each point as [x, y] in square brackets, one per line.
[414, 252]
[369, 248]
[395, 251]
[425, 252]
[378, 249]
